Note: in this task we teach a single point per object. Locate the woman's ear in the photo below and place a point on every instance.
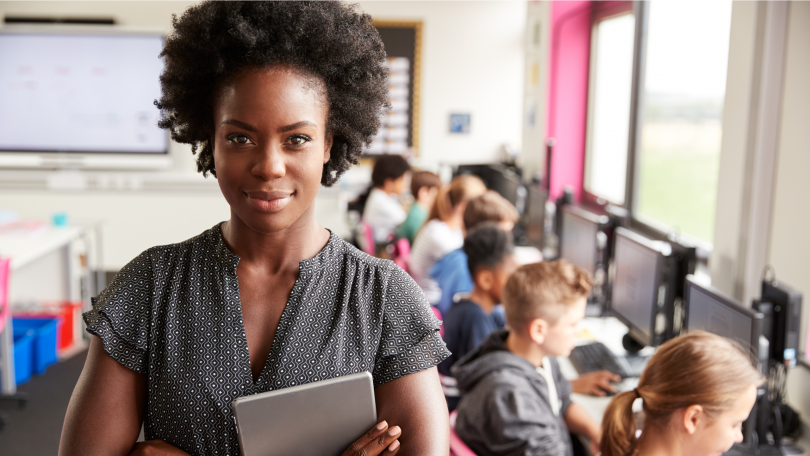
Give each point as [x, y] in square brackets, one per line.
[327, 147]
[691, 418]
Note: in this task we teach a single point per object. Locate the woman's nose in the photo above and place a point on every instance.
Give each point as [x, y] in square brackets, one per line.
[269, 163]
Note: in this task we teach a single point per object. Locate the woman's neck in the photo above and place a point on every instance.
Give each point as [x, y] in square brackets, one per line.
[284, 249]
[655, 441]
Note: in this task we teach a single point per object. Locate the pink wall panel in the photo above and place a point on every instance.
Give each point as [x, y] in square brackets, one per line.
[568, 92]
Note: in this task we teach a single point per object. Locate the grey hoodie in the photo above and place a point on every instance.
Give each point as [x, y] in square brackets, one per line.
[504, 408]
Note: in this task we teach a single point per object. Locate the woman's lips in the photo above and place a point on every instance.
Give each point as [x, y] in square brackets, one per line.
[269, 201]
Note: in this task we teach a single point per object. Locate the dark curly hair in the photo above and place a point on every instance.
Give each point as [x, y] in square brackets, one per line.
[214, 41]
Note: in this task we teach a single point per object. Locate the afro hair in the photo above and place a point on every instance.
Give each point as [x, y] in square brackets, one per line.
[214, 41]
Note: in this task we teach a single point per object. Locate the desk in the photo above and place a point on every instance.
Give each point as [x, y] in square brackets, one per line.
[49, 263]
[609, 331]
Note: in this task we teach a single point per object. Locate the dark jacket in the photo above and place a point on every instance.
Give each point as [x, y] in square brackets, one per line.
[504, 408]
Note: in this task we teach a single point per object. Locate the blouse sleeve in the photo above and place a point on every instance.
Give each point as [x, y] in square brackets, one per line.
[410, 339]
[121, 314]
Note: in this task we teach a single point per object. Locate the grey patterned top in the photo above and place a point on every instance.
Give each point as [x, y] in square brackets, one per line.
[174, 315]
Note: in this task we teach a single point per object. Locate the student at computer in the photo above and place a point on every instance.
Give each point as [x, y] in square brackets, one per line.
[514, 398]
[696, 391]
[383, 211]
[450, 271]
[424, 188]
[443, 232]
[277, 99]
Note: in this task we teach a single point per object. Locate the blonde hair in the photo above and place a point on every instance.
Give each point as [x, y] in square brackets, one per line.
[489, 207]
[698, 368]
[460, 190]
[543, 290]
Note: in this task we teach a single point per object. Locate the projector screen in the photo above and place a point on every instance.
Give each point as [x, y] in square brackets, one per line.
[80, 93]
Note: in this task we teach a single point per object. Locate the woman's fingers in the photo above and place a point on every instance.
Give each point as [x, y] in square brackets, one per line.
[378, 440]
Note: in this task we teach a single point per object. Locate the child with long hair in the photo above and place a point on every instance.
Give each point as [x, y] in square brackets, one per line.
[696, 392]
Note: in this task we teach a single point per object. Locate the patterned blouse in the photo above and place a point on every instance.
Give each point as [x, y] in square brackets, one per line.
[174, 315]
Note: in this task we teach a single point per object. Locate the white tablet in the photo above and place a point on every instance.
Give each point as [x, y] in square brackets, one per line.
[319, 418]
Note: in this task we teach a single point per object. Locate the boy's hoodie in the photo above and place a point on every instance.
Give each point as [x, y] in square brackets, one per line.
[504, 408]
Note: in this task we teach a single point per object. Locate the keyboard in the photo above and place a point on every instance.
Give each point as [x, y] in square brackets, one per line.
[596, 356]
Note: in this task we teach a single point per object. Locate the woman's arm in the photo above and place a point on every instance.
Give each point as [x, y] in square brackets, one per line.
[416, 404]
[106, 409]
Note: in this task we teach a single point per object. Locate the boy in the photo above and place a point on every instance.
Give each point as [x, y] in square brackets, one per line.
[451, 272]
[490, 259]
[382, 211]
[514, 399]
[424, 188]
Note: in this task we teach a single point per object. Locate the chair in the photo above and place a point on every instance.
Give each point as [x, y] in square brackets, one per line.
[457, 446]
[402, 251]
[365, 238]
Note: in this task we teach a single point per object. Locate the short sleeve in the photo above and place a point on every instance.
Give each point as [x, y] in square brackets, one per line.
[121, 313]
[410, 340]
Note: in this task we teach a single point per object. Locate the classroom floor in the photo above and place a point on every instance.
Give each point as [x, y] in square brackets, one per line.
[35, 429]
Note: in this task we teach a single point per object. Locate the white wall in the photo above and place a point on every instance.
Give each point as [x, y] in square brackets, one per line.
[790, 243]
[472, 62]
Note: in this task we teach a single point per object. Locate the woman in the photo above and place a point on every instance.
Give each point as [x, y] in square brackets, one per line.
[443, 232]
[696, 392]
[277, 98]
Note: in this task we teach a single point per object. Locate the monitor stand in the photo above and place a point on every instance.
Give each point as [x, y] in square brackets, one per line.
[630, 344]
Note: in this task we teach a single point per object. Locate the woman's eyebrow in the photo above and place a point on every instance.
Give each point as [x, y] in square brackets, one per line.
[303, 123]
[239, 124]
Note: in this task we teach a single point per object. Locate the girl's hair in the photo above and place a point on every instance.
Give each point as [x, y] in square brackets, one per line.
[330, 41]
[460, 190]
[698, 368]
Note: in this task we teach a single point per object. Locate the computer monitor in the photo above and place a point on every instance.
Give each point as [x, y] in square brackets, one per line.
[782, 307]
[578, 237]
[708, 309]
[496, 177]
[642, 287]
[534, 215]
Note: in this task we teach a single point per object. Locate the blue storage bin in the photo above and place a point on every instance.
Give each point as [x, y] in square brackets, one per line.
[23, 355]
[44, 348]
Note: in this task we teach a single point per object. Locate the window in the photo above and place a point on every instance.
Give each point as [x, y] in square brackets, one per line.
[680, 116]
[611, 80]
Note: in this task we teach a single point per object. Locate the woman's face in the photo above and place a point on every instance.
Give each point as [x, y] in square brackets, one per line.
[270, 145]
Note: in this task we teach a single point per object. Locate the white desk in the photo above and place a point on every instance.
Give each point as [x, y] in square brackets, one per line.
[51, 263]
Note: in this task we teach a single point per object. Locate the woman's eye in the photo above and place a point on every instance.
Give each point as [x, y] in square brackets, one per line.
[238, 138]
[298, 140]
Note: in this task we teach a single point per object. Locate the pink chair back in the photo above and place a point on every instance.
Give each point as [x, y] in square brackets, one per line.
[366, 240]
[457, 446]
[402, 251]
[4, 304]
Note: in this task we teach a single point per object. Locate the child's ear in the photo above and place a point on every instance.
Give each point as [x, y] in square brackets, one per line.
[691, 417]
[485, 279]
[538, 328]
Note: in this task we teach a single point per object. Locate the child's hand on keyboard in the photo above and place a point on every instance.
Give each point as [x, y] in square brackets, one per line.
[595, 383]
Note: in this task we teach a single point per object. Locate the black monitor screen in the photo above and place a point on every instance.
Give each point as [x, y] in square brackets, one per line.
[712, 312]
[634, 294]
[578, 243]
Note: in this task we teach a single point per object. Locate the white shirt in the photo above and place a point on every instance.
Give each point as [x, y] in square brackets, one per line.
[383, 213]
[548, 376]
[435, 240]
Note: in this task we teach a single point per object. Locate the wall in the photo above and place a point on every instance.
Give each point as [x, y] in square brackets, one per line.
[790, 245]
[568, 92]
[472, 62]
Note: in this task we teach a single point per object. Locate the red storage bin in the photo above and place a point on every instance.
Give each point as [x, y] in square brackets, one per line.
[64, 310]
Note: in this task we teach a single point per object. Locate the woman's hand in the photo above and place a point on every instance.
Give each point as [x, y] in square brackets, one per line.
[156, 448]
[378, 440]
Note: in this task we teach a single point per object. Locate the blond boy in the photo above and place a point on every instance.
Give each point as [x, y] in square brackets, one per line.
[514, 399]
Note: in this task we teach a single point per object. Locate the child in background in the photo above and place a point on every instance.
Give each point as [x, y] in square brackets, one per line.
[696, 392]
[450, 271]
[443, 231]
[514, 398]
[490, 261]
[382, 211]
[424, 188]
